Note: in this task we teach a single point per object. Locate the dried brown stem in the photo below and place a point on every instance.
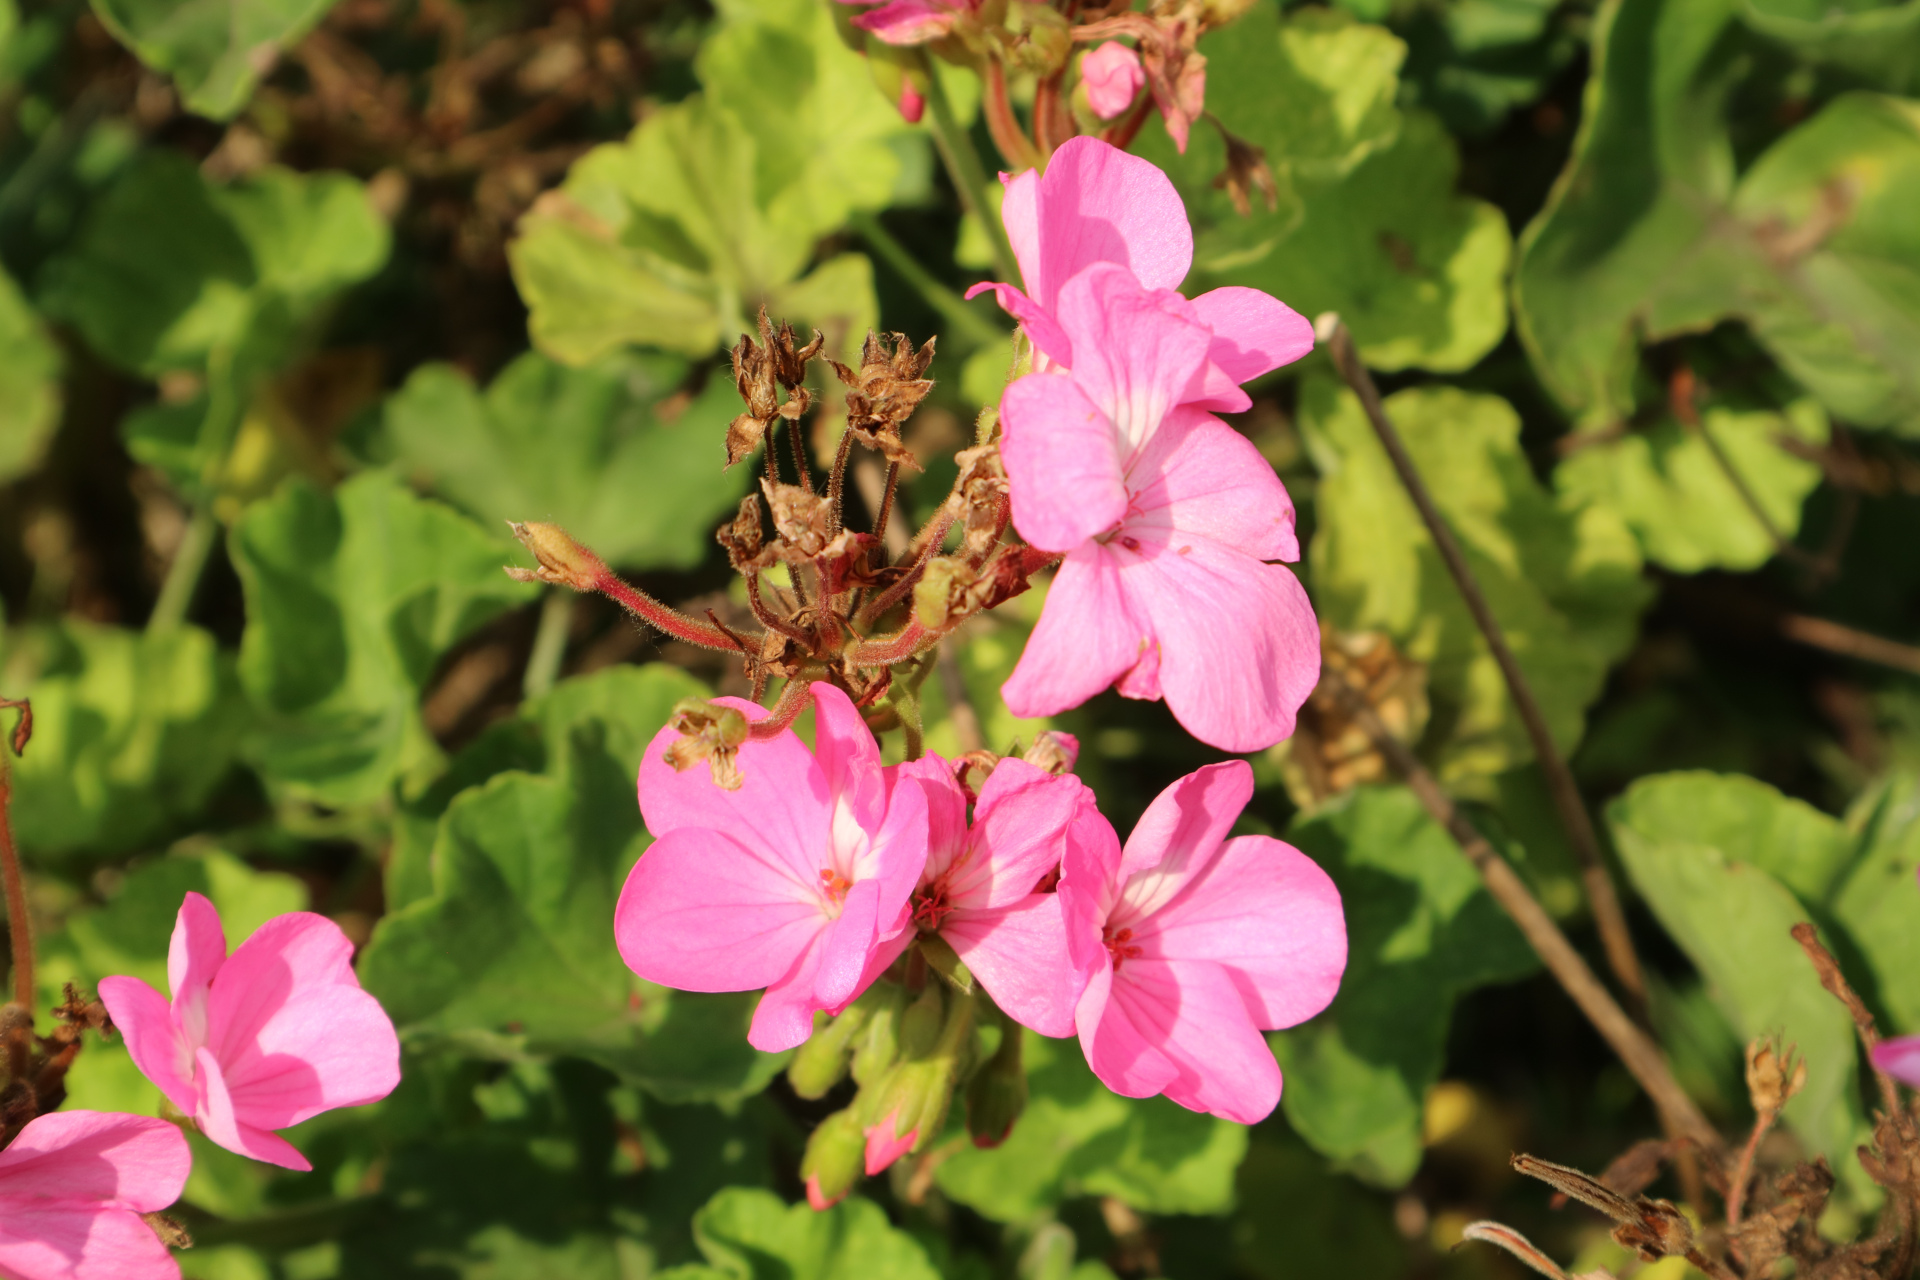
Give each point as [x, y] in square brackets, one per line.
[837, 484]
[1743, 1170]
[19, 929]
[1850, 643]
[1641, 1057]
[1502, 1236]
[1602, 897]
[1837, 986]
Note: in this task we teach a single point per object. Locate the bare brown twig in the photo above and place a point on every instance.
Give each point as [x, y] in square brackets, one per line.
[1609, 918]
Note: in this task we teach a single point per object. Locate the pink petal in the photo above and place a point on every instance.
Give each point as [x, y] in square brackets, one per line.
[1019, 834]
[1193, 1015]
[1086, 638]
[330, 1047]
[1178, 835]
[1088, 885]
[1900, 1058]
[884, 1146]
[912, 104]
[1239, 645]
[42, 1241]
[286, 956]
[1063, 468]
[1020, 215]
[781, 805]
[1120, 1044]
[145, 1021]
[219, 1121]
[1201, 477]
[850, 759]
[1267, 914]
[1113, 76]
[907, 22]
[784, 1017]
[1019, 954]
[198, 949]
[1040, 325]
[946, 809]
[816, 1199]
[1254, 333]
[897, 856]
[1096, 203]
[1136, 350]
[702, 911]
[131, 1162]
[845, 946]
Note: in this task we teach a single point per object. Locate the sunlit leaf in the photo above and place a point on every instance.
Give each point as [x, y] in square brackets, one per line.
[216, 50]
[29, 384]
[754, 1235]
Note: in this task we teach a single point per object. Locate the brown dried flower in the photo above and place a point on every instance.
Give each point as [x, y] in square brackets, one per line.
[885, 391]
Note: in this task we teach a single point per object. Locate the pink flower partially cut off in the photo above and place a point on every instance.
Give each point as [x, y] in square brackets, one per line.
[1193, 944]
[911, 22]
[791, 883]
[1166, 517]
[1900, 1058]
[73, 1185]
[1096, 204]
[978, 888]
[884, 1146]
[262, 1039]
[1113, 77]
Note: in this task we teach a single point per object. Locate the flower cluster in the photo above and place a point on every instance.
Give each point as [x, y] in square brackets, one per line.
[842, 886]
[251, 1042]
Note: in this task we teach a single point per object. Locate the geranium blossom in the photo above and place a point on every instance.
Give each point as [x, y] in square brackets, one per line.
[792, 882]
[1166, 516]
[1112, 76]
[260, 1040]
[1193, 944]
[73, 1185]
[909, 22]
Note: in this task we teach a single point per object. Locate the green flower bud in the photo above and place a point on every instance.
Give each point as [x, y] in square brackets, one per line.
[920, 1024]
[833, 1159]
[997, 1094]
[878, 1045]
[822, 1060]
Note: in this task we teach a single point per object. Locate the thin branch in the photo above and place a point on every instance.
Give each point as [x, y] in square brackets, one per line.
[1850, 643]
[1641, 1057]
[1502, 1236]
[1837, 986]
[1782, 545]
[19, 928]
[969, 176]
[1609, 918]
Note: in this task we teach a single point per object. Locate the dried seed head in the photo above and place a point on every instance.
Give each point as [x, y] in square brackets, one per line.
[744, 538]
[563, 561]
[883, 393]
[708, 732]
[1247, 171]
[802, 519]
[1773, 1074]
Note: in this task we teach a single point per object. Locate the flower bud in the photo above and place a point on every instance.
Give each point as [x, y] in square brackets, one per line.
[819, 1064]
[562, 560]
[901, 74]
[1053, 752]
[997, 1094]
[876, 1048]
[710, 732]
[833, 1159]
[920, 1024]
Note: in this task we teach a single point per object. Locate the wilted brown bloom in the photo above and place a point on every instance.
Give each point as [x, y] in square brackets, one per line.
[883, 393]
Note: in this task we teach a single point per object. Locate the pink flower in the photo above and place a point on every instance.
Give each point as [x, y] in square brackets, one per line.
[910, 22]
[1193, 944]
[1113, 77]
[260, 1040]
[1899, 1058]
[790, 883]
[978, 888]
[1095, 204]
[73, 1185]
[884, 1146]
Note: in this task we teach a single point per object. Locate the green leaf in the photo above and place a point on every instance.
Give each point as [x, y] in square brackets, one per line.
[1562, 579]
[132, 733]
[1873, 38]
[29, 384]
[1328, 1225]
[1474, 61]
[1686, 511]
[169, 269]
[1421, 931]
[1077, 1138]
[216, 50]
[581, 447]
[754, 1235]
[713, 206]
[351, 598]
[1878, 900]
[1647, 235]
[1698, 847]
[513, 953]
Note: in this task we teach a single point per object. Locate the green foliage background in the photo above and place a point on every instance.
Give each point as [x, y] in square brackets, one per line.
[301, 299]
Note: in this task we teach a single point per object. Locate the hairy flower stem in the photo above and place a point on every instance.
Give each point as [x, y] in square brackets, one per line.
[670, 620]
[1636, 1051]
[1602, 896]
[19, 931]
[963, 166]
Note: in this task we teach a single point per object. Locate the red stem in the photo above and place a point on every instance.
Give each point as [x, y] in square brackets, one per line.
[1122, 135]
[1002, 125]
[796, 697]
[911, 640]
[653, 613]
[18, 930]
